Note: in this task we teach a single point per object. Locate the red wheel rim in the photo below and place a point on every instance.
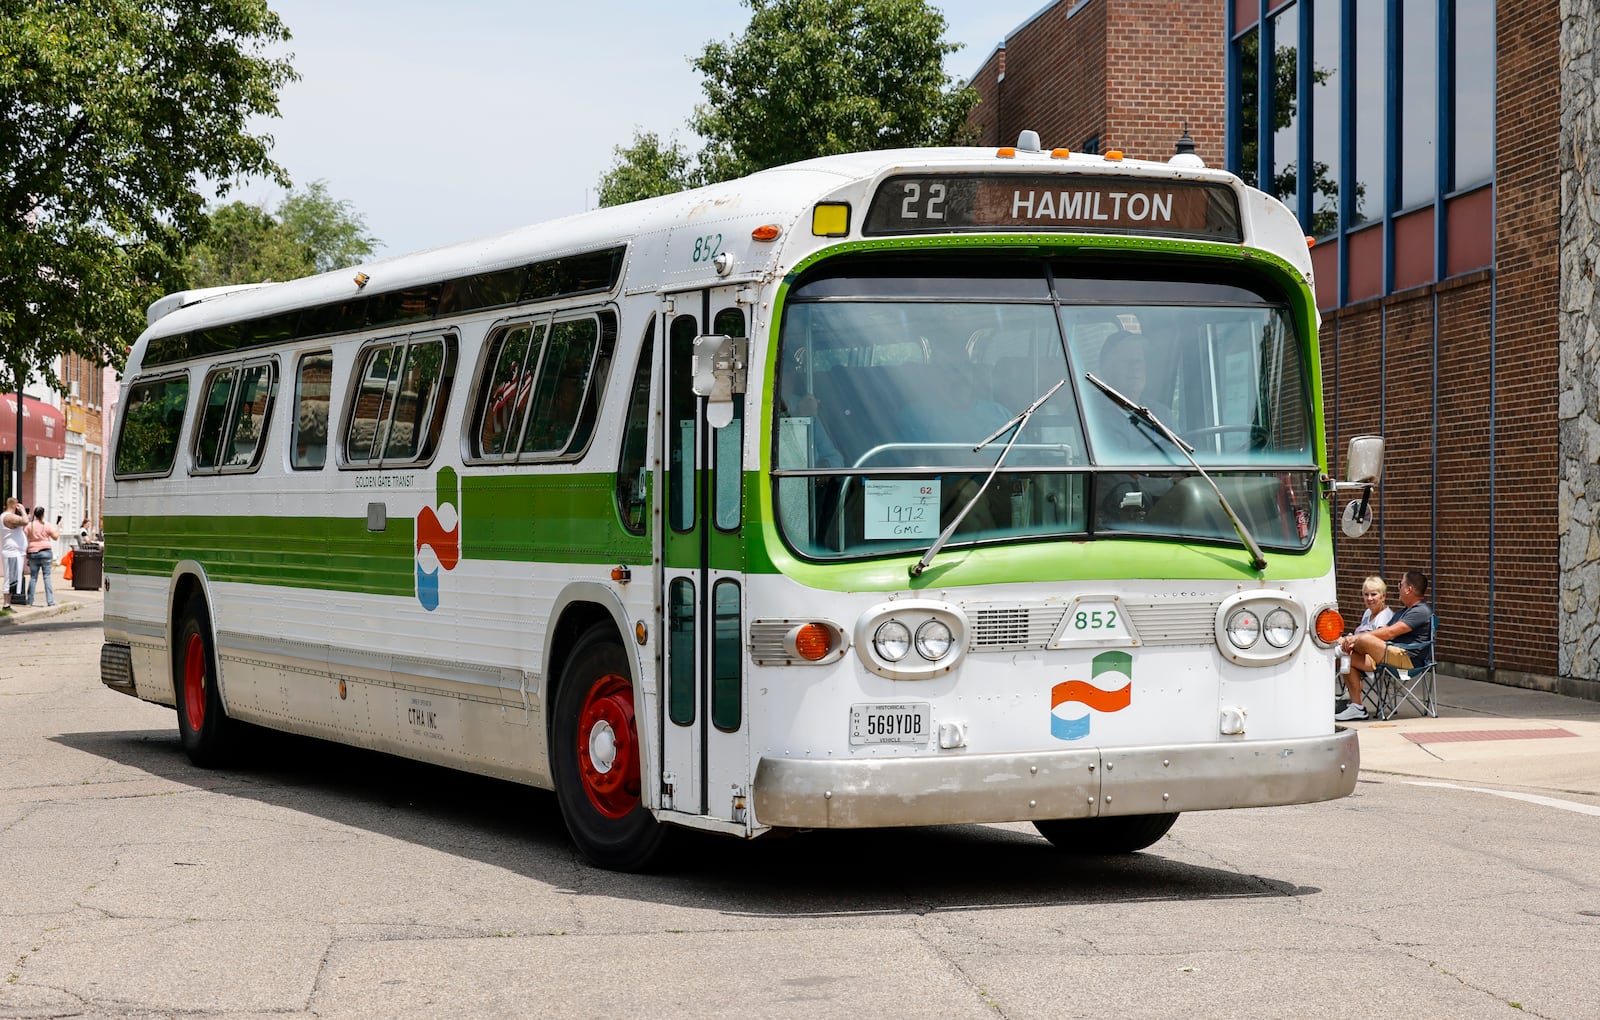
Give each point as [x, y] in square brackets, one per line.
[194, 681]
[608, 747]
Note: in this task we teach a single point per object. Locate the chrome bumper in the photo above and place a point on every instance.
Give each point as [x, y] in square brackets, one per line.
[873, 792]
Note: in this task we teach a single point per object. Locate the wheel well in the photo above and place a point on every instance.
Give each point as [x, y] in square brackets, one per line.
[188, 586]
[575, 621]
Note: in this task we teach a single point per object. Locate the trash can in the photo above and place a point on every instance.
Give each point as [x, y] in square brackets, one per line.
[87, 564]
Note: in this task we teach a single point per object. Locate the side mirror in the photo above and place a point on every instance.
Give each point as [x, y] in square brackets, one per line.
[1364, 461]
[719, 370]
[1364, 469]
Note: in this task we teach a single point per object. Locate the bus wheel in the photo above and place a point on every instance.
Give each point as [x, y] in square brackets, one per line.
[595, 760]
[1119, 834]
[203, 726]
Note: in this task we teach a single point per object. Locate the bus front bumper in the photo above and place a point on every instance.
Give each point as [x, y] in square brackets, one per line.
[1081, 783]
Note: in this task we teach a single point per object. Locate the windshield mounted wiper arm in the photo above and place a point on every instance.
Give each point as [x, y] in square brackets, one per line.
[1021, 422]
[1257, 560]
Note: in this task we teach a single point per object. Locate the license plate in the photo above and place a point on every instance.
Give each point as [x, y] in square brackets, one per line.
[908, 723]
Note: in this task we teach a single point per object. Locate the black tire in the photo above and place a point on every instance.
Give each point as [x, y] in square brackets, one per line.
[596, 761]
[1120, 834]
[208, 735]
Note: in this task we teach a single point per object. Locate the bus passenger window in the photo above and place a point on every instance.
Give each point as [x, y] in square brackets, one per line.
[503, 403]
[561, 387]
[152, 417]
[313, 384]
[399, 401]
[631, 485]
[233, 422]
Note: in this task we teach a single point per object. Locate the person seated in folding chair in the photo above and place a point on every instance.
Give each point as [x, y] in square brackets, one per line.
[1375, 596]
[1413, 625]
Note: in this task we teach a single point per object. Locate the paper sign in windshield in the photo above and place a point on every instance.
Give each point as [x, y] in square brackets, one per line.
[902, 508]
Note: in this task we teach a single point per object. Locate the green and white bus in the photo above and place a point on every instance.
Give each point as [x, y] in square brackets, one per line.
[887, 489]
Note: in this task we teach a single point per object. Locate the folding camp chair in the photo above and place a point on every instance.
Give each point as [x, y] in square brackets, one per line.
[1392, 687]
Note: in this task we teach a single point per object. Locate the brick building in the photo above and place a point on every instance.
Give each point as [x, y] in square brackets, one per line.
[1459, 314]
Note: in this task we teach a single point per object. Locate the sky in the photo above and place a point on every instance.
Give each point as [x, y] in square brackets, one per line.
[446, 122]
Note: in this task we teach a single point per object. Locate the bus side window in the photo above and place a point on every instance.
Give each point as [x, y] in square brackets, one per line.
[562, 386]
[631, 485]
[312, 386]
[233, 423]
[208, 431]
[151, 421]
[503, 399]
[399, 401]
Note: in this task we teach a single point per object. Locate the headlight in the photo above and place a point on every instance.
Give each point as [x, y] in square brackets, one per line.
[1244, 627]
[1279, 628]
[892, 641]
[933, 640]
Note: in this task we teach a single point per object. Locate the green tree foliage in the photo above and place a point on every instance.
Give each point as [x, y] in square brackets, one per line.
[645, 169]
[310, 233]
[808, 78]
[112, 115]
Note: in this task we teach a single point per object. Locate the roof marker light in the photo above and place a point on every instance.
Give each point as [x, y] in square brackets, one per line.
[1006, 152]
[1060, 153]
[1115, 155]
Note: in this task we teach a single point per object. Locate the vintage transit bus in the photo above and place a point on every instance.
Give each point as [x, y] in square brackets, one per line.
[887, 489]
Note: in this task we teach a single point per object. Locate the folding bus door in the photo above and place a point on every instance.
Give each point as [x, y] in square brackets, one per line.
[704, 743]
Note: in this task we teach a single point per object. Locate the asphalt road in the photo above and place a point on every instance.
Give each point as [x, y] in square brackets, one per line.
[323, 882]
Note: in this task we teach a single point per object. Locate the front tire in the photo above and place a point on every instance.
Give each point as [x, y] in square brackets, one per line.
[595, 758]
[1120, 834]
[204, 728]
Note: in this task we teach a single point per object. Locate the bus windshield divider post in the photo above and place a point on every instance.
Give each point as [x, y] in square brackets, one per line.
[1257, 560]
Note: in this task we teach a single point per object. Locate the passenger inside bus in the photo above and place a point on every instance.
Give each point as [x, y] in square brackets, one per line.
[951, 406]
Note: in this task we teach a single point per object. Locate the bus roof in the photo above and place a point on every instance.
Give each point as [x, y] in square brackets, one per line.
[780, 195]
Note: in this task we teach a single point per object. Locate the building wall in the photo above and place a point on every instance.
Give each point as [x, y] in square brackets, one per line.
[1578, 415]
[1128, 74]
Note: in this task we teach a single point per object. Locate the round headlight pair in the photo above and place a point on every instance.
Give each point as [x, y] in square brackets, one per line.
[1245, 627]
[893, 640]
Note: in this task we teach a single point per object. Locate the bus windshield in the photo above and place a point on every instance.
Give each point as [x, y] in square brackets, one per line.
[887, 380]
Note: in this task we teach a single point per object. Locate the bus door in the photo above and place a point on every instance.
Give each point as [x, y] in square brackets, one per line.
[704, 737]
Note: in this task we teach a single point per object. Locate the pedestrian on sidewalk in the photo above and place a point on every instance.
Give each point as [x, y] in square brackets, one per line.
[13, 547]
[41, 556]
[1413, 625]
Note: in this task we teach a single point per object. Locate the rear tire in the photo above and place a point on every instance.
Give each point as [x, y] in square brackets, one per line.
[595, 759]
[1120, 834]
[207, 733]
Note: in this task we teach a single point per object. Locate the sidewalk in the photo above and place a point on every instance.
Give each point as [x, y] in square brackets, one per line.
[67, 601]
[1489, 734]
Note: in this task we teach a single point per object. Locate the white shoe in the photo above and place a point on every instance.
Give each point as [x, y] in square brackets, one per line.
[1352, 713]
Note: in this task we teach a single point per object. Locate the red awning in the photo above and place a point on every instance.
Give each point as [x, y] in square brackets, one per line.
[44, 429]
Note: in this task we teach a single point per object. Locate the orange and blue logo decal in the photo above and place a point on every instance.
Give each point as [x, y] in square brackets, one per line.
[1074, 696]
[438, 547]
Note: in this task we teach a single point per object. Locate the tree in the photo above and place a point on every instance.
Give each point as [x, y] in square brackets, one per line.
[818, 77]
[808, 78]
[645, 169]
[311, 233]
[112, 113]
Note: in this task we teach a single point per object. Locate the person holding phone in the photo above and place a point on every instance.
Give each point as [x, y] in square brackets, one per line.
[41, 556]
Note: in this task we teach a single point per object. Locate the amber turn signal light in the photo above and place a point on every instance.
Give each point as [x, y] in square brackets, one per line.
[813, 641]
[1329, 626]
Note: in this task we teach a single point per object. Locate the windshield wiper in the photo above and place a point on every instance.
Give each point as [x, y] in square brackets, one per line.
[1021, 422]
[1256, 559]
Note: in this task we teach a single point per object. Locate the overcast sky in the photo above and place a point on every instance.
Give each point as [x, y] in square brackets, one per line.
[444, 122]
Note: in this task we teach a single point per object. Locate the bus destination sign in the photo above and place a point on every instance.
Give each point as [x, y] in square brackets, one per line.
[948, 203]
